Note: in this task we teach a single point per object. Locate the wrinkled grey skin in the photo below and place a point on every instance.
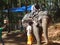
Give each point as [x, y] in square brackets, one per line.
[40, 23]
[26, 19]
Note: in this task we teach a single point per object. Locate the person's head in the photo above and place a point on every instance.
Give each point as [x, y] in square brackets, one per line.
[30, 23]
[37, 5]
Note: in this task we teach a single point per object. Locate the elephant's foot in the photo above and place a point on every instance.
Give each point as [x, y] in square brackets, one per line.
[46, 43]
[49, 42]
[38, 43]
[29, 44]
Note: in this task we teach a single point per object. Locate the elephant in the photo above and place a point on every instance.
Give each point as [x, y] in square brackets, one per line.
[40, 25]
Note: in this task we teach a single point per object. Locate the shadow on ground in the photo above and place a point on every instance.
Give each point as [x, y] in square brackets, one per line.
[20, 39]
[15, 39]
[52, 43]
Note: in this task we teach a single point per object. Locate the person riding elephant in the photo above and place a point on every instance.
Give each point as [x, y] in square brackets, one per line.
[35, 7]
[37, 30]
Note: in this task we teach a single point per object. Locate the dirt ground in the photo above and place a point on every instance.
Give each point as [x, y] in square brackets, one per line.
[20, 38]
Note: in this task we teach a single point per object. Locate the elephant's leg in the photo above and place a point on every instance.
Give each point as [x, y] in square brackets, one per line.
[36, 34]
[45, 29]
[40, 33]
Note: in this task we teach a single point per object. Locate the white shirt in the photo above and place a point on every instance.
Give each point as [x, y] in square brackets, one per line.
[33, 9]
[29, 28]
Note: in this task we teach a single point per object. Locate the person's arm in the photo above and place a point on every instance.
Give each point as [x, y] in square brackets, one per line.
[26, 28]
[3, 26]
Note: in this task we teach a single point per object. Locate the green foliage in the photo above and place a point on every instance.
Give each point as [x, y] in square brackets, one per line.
[14, 3]
[6, 1]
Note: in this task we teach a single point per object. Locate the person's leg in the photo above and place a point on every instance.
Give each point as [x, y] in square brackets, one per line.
[29, 40]
[2, 41]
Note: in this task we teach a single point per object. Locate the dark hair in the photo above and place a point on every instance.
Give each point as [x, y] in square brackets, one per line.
[37, 6]
[30, 23]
